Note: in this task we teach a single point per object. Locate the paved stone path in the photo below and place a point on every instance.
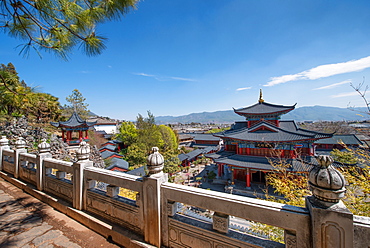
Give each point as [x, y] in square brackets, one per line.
[27, 222]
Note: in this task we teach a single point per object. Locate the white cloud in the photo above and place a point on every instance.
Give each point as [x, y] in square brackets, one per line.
[344, 94]
[182, 79]
[246, 88]
[333, 85]
[323, 71]
[165, 78]
[143, 74]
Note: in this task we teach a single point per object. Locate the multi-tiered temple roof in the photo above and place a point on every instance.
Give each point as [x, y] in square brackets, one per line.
[264, 131]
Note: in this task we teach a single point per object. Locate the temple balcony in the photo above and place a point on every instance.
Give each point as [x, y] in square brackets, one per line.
[153, 215]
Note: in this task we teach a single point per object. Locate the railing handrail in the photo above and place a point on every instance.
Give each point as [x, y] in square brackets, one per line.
[114, 178]
[8, 152]
[58, 164]
[28, 157]
[270, 212]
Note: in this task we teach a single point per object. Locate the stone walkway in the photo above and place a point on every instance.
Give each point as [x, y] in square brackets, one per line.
[27, 222]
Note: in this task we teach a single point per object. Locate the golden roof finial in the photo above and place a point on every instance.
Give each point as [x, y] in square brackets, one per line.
[261, 100]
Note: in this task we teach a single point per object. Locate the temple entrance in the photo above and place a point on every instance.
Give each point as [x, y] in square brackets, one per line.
[258, 177]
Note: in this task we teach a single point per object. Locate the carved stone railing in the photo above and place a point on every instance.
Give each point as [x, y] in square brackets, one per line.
[108, 204]
[27, 167]
[153, 215]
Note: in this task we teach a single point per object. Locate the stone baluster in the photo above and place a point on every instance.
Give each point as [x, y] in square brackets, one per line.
[43, 152]
[60, 174]
[171, 208]
[221, 222]
[4, 144]
[83, 152]
[331, 221]
[112, 191]
[20, 147]
[152, 198]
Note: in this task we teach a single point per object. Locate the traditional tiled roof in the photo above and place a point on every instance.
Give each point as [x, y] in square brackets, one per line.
[108, 154]
[73, 122]
[193, 154]
[348, 139]
[138, 171]
[205, 137]
[266, 132]
[262, 163]
[118, 162]
[263, 108]
[108, 147]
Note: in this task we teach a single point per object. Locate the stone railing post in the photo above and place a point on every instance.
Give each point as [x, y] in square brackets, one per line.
[152, 198]
[20, 147]
[4, 144]
[44, 152]
[83, 161]
[331, 221]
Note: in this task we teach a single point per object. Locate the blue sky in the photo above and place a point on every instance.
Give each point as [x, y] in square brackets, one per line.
[177, 57]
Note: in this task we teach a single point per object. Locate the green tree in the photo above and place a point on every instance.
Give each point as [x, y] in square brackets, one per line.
[146, 135]
[136, 154]
[127, 133]
[171, 165]
[76, 104]
[17, 99]
[148, 132]
[170, 139]
[58, 26]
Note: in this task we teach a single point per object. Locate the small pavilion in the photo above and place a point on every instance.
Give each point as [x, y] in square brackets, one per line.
[74, 125]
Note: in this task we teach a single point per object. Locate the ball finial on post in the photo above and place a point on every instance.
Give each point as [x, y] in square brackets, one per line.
[326, 182]
[155, 163]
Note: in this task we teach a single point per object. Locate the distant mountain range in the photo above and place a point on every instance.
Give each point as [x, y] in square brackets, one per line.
[313, 113]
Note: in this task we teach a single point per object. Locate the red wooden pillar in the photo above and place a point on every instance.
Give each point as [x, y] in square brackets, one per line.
[63, 135]
[248, 151]
[248, 178]
[86, 134]
[219, 170]
[234, 175]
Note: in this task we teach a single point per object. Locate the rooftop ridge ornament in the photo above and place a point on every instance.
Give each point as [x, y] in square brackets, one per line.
[155, 163]
[326, 182]
[261, 99]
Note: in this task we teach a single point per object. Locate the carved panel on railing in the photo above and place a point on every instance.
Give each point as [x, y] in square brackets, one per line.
[8, 166]
[60, 188]
[115, 210]
[290, 240]
[195, 235]
[332, 234]
[27, 174]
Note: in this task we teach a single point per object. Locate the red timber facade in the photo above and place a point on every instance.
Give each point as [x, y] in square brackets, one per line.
[74, 124]
[251, 145]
